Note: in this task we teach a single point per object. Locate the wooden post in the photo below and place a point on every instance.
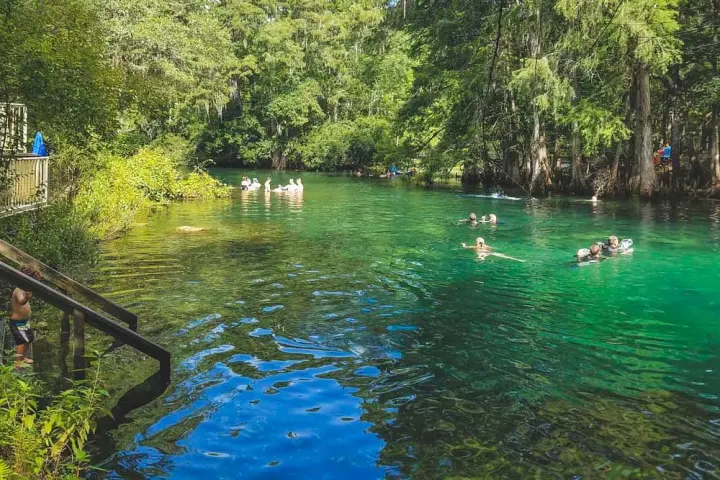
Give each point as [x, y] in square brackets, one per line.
[64, 345]
[78, 345]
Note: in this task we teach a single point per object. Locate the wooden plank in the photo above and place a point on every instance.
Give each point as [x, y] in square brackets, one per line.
[92, 318]
[67, 284]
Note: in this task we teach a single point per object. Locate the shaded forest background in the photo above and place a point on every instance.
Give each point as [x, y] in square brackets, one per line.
[551, 95]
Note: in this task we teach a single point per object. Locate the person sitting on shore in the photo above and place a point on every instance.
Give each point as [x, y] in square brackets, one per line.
[267, 185]
[20, 313]
[472, 220]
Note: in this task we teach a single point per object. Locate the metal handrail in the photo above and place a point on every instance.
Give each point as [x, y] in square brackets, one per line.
[68, 284]
[81, 315]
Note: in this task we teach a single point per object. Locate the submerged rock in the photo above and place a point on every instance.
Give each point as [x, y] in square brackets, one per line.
[186, 229]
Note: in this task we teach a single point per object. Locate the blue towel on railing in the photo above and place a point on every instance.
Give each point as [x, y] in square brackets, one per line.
[39, 145]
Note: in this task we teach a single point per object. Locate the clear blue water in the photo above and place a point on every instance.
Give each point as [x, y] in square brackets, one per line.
[345, 334]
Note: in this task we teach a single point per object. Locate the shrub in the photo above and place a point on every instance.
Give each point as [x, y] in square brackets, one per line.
[154, 174]
[110, 199]
[46, 442]
[201, 185]
[56, 235]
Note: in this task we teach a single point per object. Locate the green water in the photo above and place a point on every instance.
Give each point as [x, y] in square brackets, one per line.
[345, 334]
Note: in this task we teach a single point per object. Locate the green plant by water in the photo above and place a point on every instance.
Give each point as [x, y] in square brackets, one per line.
[45, 436]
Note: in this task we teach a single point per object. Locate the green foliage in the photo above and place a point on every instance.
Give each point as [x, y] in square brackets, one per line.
[56, 235]
[47, 442]
[54, 62]
[112, 197]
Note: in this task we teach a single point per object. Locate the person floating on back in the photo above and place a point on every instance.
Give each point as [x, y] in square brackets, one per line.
[483, 250]
[20, 320]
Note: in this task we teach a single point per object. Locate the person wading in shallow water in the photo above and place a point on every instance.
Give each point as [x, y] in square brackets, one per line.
[20, 313]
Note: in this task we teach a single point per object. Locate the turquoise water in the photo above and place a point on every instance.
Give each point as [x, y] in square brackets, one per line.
[345, 333]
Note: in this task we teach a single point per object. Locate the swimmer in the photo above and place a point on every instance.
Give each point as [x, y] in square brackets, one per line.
[299, 185]
[291, 187]
[267, 184]
[491, 219]
[594, 199]
[616, 246]
[472, 220]
[589, 254]
[480, 245]
[484, 250]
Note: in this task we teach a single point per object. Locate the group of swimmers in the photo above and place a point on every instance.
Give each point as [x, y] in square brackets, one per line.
[595, 253]
[294, 185]
[473, 219]
[482, 249]
[614, 246]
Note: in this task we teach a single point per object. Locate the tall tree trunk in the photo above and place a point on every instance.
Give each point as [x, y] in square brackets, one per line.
[688, 139]
[536, 150]
[643, 132]
[615, 167]
[578, 183]
[714, 147]
[676, 139]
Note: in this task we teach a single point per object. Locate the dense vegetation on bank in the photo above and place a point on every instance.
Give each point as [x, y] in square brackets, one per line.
[566, 95]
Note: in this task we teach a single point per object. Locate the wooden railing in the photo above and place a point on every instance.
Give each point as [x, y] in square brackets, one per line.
[26, 188]
[80, 313]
